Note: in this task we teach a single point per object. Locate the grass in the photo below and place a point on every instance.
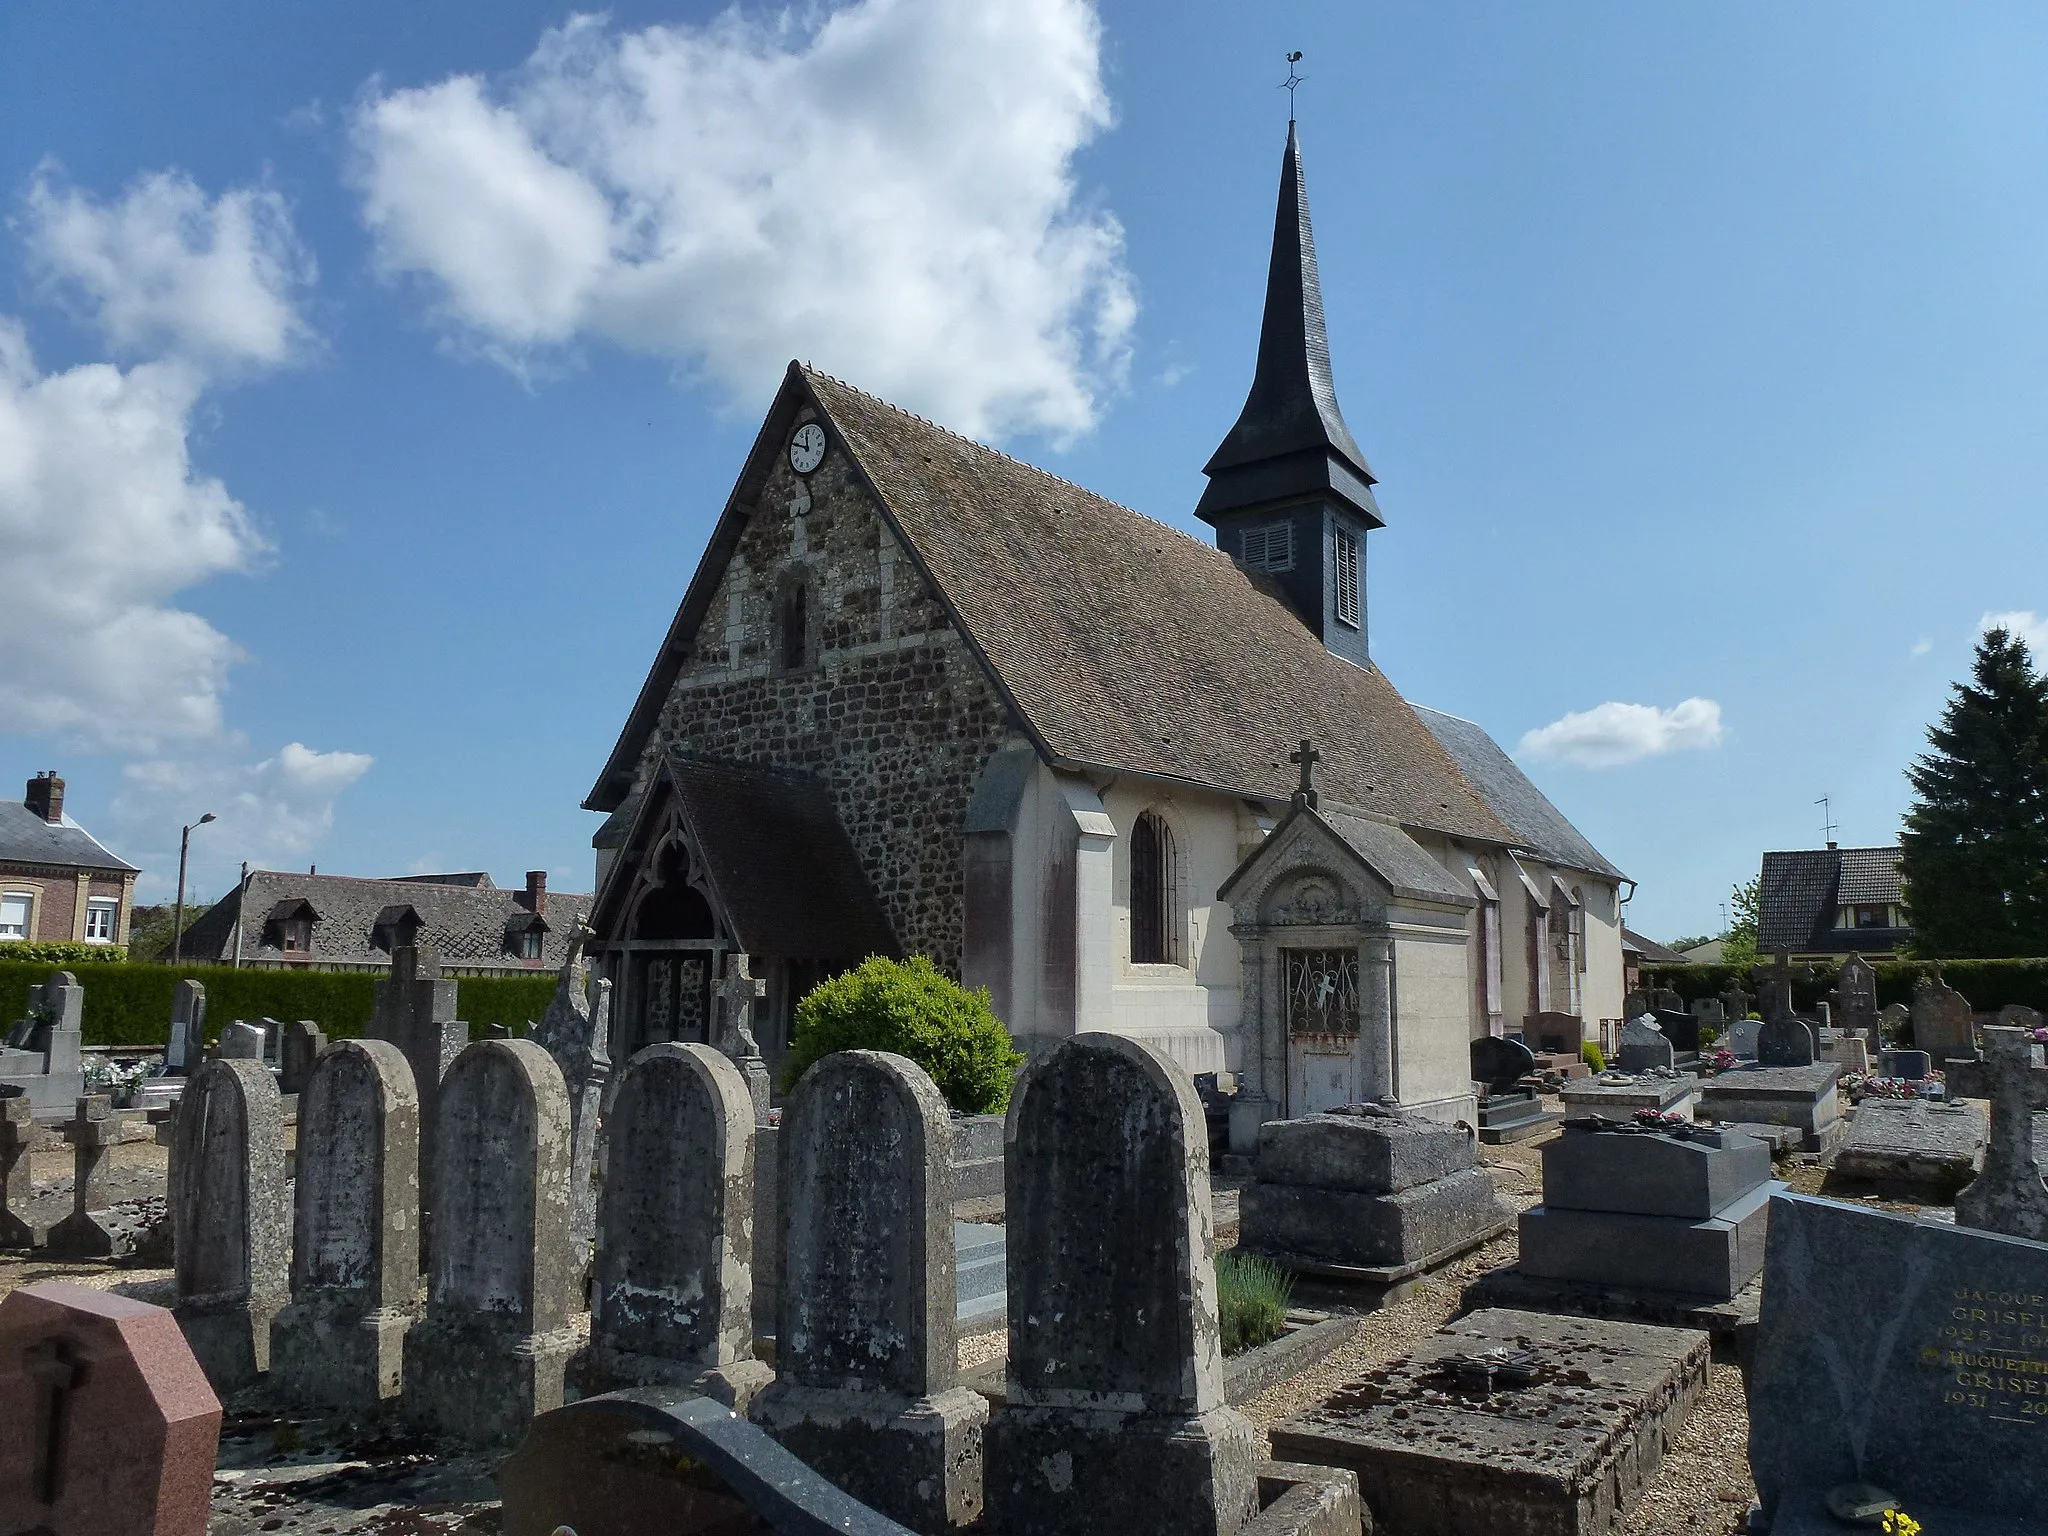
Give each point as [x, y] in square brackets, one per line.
[1252, 1296]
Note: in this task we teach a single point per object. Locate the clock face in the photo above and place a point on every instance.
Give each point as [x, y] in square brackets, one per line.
[807, 448]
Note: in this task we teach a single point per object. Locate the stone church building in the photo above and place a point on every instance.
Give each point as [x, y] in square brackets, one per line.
[923, 698]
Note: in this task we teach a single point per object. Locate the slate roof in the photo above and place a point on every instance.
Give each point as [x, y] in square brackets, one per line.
[1802, 890]
[466, 923]
[782, 871]
[1119, 642]
[25, 838]
[1649, 949]
[1539, 827]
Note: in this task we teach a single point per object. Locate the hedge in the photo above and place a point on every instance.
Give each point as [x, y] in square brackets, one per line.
[131, 1004]
[1988, 984]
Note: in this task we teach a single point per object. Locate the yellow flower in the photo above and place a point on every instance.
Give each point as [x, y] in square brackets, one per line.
[1898, 1523]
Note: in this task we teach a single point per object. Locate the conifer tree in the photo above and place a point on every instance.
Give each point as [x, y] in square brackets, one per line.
[1976, 838]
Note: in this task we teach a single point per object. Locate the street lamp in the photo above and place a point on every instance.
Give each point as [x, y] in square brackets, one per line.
[178, 921]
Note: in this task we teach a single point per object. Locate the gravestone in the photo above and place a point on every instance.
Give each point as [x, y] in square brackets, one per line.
[1617, 1096]
[1933, 1149]
[1856, 991]
[415, 1011]
[1508, 1112]
[110, 1426]
[1652, 1211]
[1941, 1020]
[672, 1286]
[186, 1047]
[1849, 1052]
[229, 1218]
[355, 1233]
[1774, 987]
[1710, 1013]
[662, 1459]
[1113, 1419]
[2009, 1196]
[241, 1041]
[1373, 1195]
[1508, 1422]
[1823, 1018]
[1785, 1042]
[297, 1050]
[491, 1350]
[1682, 1030]
[41, 1054]
[1743, 1035]
[1644, 1046]
[1735, 1003]
[1666, 1000]
[1895, 1025]
[866, 1385]
[17, 1125]
[739, 993]
[1561, 1034]
[1500, 1063]
[86, 1233]
[573, 1031]
[1804, 1100]
[1903, 1353]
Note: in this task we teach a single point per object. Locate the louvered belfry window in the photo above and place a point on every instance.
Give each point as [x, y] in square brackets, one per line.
[1267, 548]
[1347, 577]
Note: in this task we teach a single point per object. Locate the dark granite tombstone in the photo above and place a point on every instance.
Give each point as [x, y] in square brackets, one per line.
[1681, 1028]
[1902, 1353]
[1909, 1066]
[1644, 1047]
[1507, 1111]
[1785, 1042]
[1742, 1038]
[1500, 1062]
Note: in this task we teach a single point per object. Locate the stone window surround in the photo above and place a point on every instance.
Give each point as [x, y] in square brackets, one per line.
[102, 910]
[1181, 941]
[31, 896]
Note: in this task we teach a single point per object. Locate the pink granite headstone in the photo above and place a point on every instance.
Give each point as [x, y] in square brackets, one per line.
[107, 1425]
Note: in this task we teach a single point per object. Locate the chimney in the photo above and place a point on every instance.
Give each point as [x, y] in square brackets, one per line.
[46, 796]
[535, 897]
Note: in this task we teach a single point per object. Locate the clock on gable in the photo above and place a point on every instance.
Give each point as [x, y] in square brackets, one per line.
[807, 448]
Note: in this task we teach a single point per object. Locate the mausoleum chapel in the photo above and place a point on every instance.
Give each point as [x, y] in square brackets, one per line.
[923, 698]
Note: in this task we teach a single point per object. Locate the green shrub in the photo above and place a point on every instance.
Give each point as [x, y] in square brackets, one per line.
[131, 1004]
[1591, 1054]
[1252, 1295]
[909, 1007]
[62, 957]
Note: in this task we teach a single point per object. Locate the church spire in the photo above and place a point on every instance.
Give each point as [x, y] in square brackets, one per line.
[1290, 441]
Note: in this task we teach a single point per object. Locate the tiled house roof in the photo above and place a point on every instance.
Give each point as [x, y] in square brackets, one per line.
[1120, 643]
[1803, 890]
[472, 926]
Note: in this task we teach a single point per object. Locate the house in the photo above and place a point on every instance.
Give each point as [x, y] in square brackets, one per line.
[58, 885]
[280, 919]
[921, 697]
[1637, 952]
[1825, 904]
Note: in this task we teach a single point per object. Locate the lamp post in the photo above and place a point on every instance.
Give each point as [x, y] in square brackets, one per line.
[178, 920]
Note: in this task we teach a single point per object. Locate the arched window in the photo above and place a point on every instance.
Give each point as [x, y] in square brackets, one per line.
[1152, 926]
[794, 633]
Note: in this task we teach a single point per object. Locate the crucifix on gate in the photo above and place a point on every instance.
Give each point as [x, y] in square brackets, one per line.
[1305, 796]
[739, 990]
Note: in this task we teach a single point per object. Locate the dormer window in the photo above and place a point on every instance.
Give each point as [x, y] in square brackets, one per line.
[396, 926]
[530, 943]
[296, 936]
[1347, 577]
[290, 926]
[1269, 547]
[526, 935]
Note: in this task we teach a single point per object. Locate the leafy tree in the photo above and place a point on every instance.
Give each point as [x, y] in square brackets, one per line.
[909, 1007]
[1976, 838]
[1690, 941]
[1738, 944]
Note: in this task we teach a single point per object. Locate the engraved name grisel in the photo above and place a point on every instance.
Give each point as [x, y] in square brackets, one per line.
[1990, 1347]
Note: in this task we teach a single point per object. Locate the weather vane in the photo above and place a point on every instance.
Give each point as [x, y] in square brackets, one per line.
[1292, 81]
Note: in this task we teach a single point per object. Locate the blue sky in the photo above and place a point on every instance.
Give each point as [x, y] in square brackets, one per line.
[368, 386]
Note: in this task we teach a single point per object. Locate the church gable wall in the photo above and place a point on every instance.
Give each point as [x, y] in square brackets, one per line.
[888, 707]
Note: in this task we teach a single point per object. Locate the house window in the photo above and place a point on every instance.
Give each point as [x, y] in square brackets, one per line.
[1871, 917]
[1151, 892]
[794, 633]
[1267, 548]
[1347, 577]
[529, 944]
[101, 917]
[16, 909]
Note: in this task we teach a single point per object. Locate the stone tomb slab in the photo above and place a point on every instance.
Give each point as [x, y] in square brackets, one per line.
[1802, 1098]
[1646, 1175]
[1616, 1096]
[1510, 1422]
[1934, 1148]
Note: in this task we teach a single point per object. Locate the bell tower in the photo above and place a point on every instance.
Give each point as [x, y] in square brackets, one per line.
[1289, 493]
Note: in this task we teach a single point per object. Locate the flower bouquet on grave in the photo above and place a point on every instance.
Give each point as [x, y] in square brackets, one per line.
[118, 1080]
[1657, 1120]
[1723, 1060]
[1886, 1088]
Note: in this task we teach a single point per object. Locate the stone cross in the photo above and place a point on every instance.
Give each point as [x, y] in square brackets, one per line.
[86, 1232]
[573, 1031]
[739, 990]
[415, 1011]
[1306, 757]
[187, 1045]
[230, 1223]
[1113, 1419]
[355, 1233]
[503, 1276]
[1785, 1041]
[1736, 1002]
[2009, 1195]
[17, 1125]
[1774, 983]
[867, 1375]
[672, 1286]
[1856, 989]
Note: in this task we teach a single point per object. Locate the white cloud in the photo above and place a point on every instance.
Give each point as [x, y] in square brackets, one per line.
[889, 192]
[267, 813]
[1612, 734]
[2021, 624]
[1922, 646]
[104, 521]
[167, 272]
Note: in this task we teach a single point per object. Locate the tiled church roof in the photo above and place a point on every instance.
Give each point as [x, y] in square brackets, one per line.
[1539, 826]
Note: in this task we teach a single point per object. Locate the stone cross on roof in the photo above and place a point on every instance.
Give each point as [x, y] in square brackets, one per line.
[2009, 1196]
[1307, 757]
[739, 991]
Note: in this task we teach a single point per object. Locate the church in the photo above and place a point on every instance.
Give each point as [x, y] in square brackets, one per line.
[923, 698]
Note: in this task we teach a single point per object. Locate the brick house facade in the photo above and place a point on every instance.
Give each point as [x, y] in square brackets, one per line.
[58, 885]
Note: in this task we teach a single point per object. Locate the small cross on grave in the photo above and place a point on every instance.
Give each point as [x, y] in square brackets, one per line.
[1307, 757]
[740, 991]
[1774, 982]
[54, 1368]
